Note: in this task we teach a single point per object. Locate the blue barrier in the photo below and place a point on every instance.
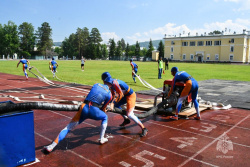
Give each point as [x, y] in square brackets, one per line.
[17, 141]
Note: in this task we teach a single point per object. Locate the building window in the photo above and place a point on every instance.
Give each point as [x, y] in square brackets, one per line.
[200, 43]
[216, 57]
[172, 43]
[231, 57]
[231, 40]
[209, 43]
[172, 49]
[231, 48]
[217, 43]
[171, 57]
[191, 57]
[192, 43]
[184, 43]
[184, 57]
[208, 57]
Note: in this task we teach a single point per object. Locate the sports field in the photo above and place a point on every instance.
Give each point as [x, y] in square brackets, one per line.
[70, 71]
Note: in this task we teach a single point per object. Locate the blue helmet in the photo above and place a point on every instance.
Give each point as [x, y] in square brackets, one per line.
[105, 75]
[109, 80]
[53, 58]
[131, 59]
[174, 69]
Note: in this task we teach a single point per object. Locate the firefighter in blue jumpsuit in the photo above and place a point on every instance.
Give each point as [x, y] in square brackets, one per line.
[25, 66]
[53, 65]
[92, 108]
[134, 69]
[191, 87]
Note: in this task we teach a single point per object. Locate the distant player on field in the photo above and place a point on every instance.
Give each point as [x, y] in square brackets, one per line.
[25, 66]
[134, 69]
[53, 65]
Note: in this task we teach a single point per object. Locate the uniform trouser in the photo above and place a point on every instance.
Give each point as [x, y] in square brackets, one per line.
[84, 112]
[191, 87]
[130, 100]
[25, 66]
[159, 73]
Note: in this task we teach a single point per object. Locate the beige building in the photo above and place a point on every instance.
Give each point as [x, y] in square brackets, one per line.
[225, 47]
[155, 55]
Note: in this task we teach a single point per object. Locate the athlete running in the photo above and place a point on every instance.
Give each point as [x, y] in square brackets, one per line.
[92, 108]
[125, 95]
[134, 69]
[53, 65]
[191, 87]
[25, 66]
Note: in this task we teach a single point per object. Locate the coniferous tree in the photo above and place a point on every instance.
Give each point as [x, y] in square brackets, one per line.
[45, 41]
[137, 49]
[111, 49]
[118, 52]
[127, 51]
[161, 49]
[27, 38]
[123, 44]
[150, 49]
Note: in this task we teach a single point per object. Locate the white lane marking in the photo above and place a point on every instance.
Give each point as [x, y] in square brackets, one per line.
[160, 148]
[204, 148]
[193, 133]
[70, 151]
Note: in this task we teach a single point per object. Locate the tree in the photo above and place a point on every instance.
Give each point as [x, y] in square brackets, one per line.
[111, 49]
[10, 39]
[27, 38]
[123, 44]
[95, 36]
[137, 49]
[79, 41]
[150, 49]
[58, 50]
[104, 51]
[161, 49]
[118, 51]
[45, 41]
[143, 52]
[214, 32]
[68, 46]
[127, 51]
[1, 40]
[85, 41]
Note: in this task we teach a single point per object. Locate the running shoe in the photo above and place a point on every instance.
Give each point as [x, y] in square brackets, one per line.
[174, 117]
[197, 118]
[103, 140]
[144, 132]
[125, 122]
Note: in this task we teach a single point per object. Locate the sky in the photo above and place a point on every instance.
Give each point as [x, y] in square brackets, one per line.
[132, 20]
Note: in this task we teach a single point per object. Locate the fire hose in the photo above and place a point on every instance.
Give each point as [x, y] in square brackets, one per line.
[20, 107]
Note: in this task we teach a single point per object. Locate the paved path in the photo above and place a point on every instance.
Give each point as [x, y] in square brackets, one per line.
[236, 93]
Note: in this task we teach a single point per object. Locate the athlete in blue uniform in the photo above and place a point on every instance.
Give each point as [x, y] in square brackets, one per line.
[53, 65]
[92, 108]
[125, 95]
[134, 69]
[25, 66]
[191, 87]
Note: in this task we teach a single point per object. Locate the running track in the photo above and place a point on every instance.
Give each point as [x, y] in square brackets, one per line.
[168, 143]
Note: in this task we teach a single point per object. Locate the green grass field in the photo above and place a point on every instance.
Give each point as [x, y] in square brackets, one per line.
[70, 71]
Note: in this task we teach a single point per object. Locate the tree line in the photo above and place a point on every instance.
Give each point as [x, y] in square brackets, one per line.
[22, 40]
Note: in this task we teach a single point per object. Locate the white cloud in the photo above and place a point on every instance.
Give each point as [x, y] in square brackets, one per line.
[172, 29]
[109, 35]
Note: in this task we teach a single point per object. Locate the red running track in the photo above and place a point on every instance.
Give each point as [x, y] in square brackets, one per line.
[221, 138]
